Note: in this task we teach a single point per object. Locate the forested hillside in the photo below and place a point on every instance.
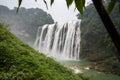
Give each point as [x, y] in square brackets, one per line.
[96, 46]
[26, 22]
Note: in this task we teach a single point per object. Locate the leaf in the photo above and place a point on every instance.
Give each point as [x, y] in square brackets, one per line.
[111, 6]
[69, 2]
[79, 5]
[19, 3]
[52, 1]
[45, 3]
[110, 44]
[84, 3]
[106, 37]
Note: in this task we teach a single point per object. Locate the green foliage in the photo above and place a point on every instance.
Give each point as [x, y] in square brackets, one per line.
[106, 37]
[79, 5]
[69, 2]
[52, 1]
[19, 3]
[111, 5]
[45, 3]
[18, 61]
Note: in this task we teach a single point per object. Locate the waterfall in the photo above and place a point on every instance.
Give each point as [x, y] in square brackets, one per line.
[60, 40]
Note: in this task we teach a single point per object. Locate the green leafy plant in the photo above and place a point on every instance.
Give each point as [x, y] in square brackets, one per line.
[18, 61]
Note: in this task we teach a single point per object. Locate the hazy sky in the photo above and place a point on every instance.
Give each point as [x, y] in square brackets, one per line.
[58, 10]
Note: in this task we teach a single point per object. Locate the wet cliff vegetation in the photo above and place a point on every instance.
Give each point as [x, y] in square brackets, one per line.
[96, 45]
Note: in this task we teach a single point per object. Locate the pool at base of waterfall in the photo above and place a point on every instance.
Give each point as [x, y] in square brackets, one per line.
[83, 68]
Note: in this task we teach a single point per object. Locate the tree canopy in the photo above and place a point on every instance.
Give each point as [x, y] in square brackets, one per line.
[26, 22]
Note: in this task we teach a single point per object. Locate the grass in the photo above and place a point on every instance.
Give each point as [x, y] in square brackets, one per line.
[18, 61]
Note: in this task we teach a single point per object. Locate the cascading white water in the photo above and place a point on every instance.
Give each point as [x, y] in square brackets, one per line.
[60, 40]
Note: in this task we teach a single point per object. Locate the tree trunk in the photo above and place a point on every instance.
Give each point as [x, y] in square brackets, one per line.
[108, 25]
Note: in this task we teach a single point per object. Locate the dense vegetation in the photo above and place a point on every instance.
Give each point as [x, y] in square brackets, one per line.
[96, 46]
[26, 22]
[18, 61]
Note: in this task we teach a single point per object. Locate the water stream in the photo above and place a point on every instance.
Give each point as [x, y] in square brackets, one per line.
[60, 40]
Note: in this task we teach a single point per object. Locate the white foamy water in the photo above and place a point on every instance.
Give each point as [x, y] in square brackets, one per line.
[60, 40]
